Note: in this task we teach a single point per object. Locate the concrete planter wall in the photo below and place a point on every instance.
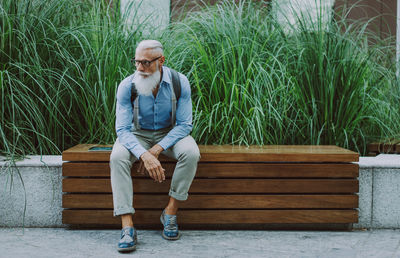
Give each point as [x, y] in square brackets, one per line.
[379, 192]
[41, 177]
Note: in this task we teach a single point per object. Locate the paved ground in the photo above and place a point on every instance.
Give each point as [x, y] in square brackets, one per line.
[51, 242]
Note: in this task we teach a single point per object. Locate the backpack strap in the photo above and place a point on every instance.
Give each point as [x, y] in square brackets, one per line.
[135, 106]
[176, 93]
[133, 93]
[176, 82]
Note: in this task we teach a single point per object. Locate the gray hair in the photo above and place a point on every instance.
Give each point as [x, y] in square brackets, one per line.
[154, 45]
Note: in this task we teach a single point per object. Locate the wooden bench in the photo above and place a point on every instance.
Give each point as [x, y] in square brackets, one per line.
[391, 146]
[233, 185]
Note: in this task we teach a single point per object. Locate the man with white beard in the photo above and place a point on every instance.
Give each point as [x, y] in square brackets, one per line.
[156, 128]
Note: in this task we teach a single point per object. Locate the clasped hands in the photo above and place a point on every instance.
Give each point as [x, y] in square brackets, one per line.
[149, 163]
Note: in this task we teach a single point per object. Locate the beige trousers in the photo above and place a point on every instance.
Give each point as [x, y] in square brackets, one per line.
[185, 151]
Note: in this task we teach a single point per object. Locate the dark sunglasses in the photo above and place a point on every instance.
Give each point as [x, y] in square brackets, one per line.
[145, 63]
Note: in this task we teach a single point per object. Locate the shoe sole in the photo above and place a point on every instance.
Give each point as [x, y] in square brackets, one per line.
[128, 249]
[168, 237]
[171, 238]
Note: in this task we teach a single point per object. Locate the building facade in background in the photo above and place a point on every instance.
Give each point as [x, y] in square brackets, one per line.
[154, 12]
[381, 14]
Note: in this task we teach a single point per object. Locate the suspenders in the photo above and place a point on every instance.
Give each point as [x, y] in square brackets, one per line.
[175, 87]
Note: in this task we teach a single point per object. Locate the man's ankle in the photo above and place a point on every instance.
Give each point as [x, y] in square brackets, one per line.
[171, 211]
[126, 220]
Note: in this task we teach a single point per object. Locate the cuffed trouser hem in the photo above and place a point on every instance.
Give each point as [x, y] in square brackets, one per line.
[179, 197]
[124, 210]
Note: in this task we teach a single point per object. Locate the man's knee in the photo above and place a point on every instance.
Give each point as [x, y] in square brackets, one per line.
[191, 153]
[119, 154]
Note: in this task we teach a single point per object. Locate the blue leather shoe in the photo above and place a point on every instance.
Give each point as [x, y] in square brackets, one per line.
[170, 231]
[128, 240]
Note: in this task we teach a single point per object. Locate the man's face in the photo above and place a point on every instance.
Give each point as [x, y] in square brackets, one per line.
[154, 60]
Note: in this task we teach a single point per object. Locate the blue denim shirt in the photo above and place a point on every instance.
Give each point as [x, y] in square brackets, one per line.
[154, 113]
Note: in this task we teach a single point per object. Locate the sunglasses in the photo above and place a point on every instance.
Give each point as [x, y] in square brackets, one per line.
[145, 63]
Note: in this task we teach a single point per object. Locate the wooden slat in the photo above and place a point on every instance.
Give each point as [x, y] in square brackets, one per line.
[140, 185]
[102, 169]
[141, 201]
[277, 153]
[143, 217]
[323, 170]
[234, 153]
[383, 147]
[373, 147]
[387, 147]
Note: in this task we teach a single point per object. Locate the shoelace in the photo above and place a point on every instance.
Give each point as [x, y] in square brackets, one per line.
[126, 231]
[171, 224]
[126, 235]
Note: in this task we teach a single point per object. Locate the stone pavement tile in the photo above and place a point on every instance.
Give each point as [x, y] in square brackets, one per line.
[380, 243]
[397, 252]
[49, 242]
[309, 243]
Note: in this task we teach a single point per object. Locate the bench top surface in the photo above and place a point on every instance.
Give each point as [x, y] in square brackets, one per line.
[235, 153]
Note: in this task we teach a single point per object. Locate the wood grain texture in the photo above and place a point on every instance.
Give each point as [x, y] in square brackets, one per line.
[79, 185]
[382, 147]
[142, 201]
[102, 169]
[234, 153]
[283, 170]
[373, 147]
[280, 181]
[143, 217]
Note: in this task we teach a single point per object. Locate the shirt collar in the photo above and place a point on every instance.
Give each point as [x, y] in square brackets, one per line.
[166, 75]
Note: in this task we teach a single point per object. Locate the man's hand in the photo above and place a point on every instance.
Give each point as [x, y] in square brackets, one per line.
[149, 162]
[156, 150]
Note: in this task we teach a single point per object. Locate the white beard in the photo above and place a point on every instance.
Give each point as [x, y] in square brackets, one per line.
[146, 85]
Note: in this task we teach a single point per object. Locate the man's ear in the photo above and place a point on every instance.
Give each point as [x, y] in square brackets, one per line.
[162, 60]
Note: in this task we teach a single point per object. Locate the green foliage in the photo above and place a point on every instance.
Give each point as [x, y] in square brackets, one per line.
[256, 82]
[252, 81]
[61, 62]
